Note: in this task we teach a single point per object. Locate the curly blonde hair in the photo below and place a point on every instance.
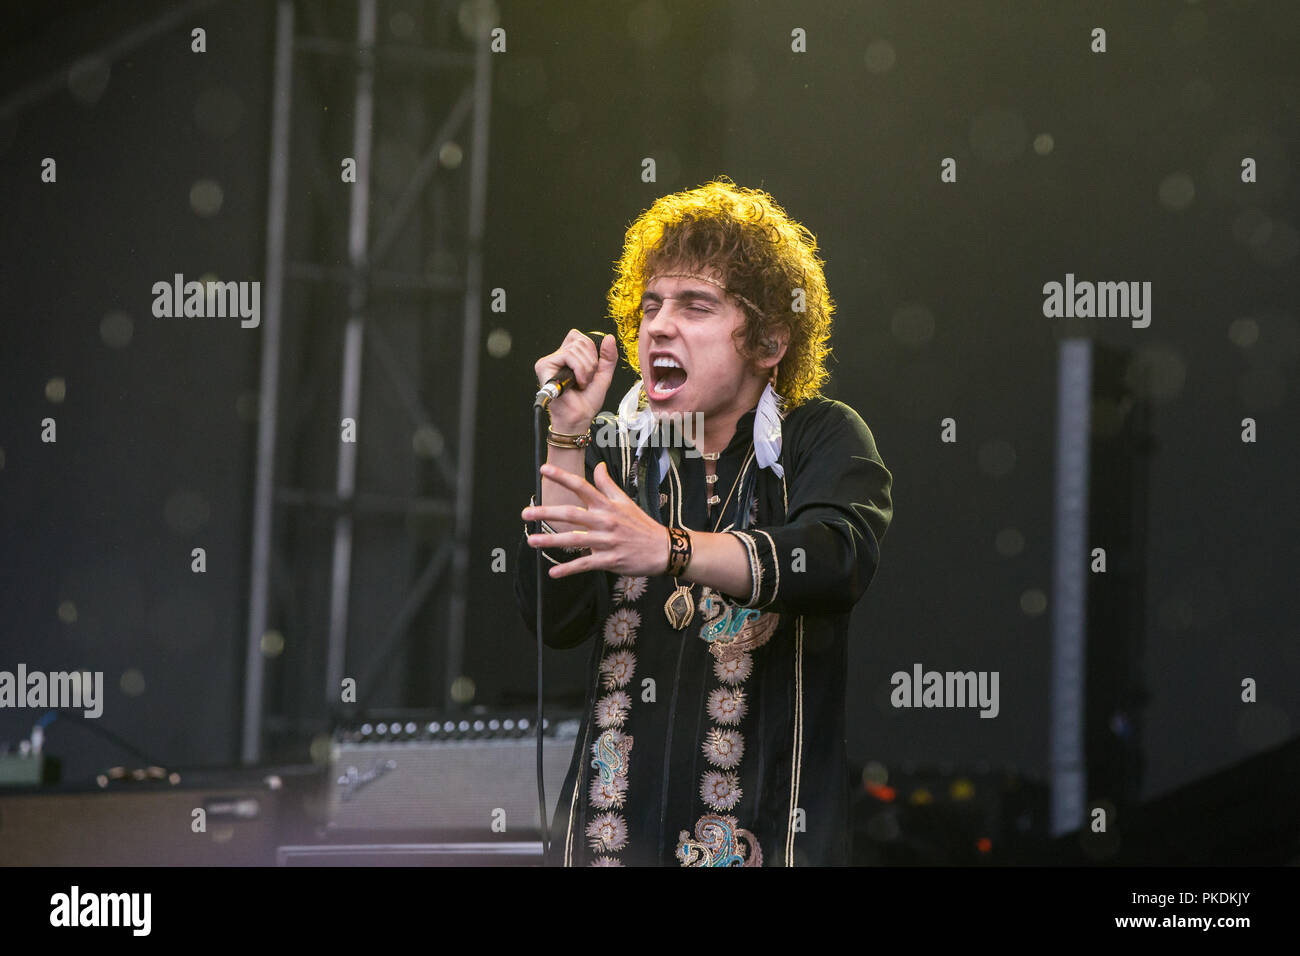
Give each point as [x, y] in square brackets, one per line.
[760, 253]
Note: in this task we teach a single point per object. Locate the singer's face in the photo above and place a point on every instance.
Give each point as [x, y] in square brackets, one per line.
[692, 323]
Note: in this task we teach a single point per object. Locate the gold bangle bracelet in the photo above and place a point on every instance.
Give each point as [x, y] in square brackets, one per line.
[561, 440]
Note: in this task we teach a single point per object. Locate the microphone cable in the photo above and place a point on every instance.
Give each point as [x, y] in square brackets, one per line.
[541, 405]
[537, 553]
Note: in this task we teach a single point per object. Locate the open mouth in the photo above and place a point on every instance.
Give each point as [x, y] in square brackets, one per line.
[667, 377]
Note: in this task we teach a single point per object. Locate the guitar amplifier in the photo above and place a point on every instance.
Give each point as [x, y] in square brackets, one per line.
[409, 778]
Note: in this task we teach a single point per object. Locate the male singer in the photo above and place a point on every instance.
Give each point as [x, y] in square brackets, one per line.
[713, 575]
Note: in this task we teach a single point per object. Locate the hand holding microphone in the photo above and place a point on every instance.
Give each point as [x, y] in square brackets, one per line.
[575, 378]
[597, 515]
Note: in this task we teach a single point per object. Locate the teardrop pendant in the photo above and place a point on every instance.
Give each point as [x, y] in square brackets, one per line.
[680, 608]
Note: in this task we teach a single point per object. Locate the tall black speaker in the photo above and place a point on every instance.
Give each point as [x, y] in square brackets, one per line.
[1121, 444]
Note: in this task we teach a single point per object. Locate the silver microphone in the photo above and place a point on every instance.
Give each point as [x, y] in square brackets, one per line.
[552, 389]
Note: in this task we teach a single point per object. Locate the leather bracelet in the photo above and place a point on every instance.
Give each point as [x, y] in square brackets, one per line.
[679, 551]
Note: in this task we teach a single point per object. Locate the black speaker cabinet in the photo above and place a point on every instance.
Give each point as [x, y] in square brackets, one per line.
[245, 816]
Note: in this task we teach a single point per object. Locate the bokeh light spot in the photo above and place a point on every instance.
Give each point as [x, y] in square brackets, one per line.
[427, 441]
[498, 343]
[56, 390]
[88, 78]
[1033, 602]
[1009, 542]
[116, 329]
[1157, 373]
[451, 155]
[272, 644]
[206, 197]
[132, 682]
[879, 57]
[1243, 333]
[463, 689]
[1177, 191]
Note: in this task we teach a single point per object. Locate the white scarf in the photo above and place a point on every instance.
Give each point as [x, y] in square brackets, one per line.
[767, 427]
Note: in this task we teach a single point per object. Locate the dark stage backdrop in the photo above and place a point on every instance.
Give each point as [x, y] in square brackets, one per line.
[1122, 166]
[161, 168]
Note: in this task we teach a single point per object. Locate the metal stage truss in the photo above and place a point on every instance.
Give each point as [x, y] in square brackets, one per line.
[399, 256]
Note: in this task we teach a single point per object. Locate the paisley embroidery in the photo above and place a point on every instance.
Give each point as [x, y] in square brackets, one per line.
[727, 626]
[611, 751]
[737, 630]
[719, 841]
[710, 605]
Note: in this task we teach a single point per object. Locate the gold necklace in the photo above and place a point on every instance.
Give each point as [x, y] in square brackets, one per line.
[680, 606]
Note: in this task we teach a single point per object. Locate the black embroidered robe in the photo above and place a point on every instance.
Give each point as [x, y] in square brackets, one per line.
[686, 758]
